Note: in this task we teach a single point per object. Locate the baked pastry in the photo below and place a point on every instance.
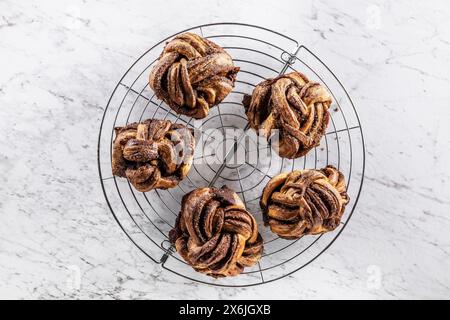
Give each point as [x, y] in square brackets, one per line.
[294, 106]
[154, 154]
[192, 75]
[304, 202]
[215, 234]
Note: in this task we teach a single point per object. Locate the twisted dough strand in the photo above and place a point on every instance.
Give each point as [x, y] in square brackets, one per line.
[304, 202]
[215, 234]
[295, 106]
[154, 154]
[192, 75]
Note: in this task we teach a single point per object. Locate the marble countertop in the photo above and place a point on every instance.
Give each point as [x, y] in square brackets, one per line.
[59, 64]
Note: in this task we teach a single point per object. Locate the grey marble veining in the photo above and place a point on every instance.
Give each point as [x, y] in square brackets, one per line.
[59, 64]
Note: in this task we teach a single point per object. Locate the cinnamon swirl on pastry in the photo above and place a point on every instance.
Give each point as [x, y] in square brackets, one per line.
[192, 75]
[304, 202]
[215, 234]
[293, 105]
[154, 154]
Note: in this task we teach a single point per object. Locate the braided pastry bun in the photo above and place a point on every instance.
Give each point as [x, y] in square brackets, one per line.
[192, 75]
[293, 105]
[215, 234]
[154, 154]
[304, 202]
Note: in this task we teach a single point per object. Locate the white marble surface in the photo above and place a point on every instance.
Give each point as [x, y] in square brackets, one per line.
[60, 61]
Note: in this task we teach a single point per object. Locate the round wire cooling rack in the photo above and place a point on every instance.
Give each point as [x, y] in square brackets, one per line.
[147, 218]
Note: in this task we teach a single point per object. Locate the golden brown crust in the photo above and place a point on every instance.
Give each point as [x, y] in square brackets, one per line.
[293, 105]
[192, 75]
[154, 154]
[215, 234]
[304, 202]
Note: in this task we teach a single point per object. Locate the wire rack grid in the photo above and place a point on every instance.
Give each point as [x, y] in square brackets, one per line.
[147, 218]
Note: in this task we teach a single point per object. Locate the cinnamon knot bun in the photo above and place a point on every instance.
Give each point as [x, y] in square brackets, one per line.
[192, 75]
[215, 234]
[154, 154]
[304, 202]
[294, 106]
